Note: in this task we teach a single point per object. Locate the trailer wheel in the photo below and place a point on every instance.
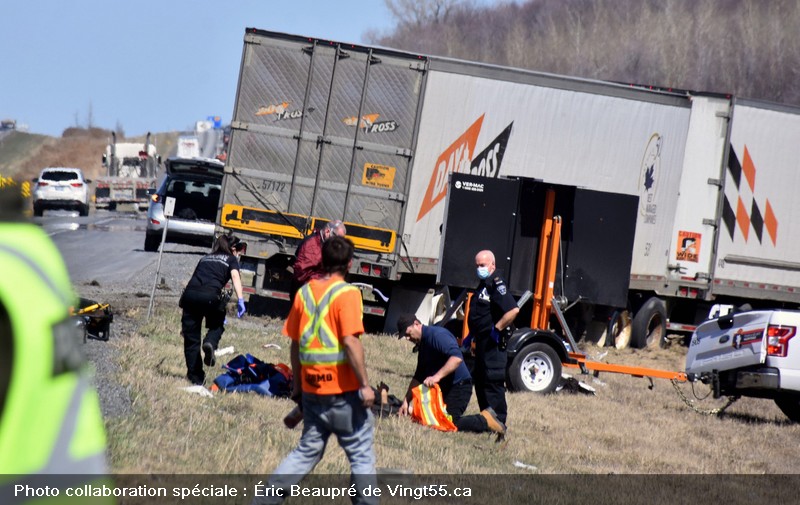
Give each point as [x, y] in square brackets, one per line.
[536, 368]
[650, 325]
[618, 333]
[789, 405]
[151, 243]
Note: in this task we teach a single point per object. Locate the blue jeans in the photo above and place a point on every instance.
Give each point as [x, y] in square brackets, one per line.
[323, 415]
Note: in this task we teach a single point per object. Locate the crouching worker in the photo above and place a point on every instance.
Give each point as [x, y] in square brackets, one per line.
[202, 300]
[439, 361]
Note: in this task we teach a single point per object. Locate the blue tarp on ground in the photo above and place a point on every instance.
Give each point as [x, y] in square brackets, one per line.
[248, 373]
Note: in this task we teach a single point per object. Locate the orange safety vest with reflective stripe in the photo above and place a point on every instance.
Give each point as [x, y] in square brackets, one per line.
[326, 369]
[428, 408]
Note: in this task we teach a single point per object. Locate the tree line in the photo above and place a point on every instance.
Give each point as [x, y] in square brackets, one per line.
[748, 48]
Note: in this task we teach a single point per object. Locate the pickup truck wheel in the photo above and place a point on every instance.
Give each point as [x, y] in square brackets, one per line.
[83, 210]
[536, 368]
[789, 405]
[650, 325]
[151, 243]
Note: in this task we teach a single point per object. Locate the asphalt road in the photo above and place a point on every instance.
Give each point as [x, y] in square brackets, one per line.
[105, 256]
[104, 246]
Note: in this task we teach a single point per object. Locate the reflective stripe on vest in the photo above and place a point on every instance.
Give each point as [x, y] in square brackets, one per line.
[51, 419]
[428, 408]
[329, 351]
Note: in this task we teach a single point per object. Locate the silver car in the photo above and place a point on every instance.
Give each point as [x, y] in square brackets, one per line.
[61, 188]
[195, 183]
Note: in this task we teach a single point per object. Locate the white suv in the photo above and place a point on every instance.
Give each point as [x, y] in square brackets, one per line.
[61, 188]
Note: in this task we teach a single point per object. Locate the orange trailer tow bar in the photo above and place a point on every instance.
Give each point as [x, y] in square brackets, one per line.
[634, 371]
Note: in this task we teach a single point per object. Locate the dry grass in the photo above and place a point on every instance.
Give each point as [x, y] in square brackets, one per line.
[23, 155]
[625, 429]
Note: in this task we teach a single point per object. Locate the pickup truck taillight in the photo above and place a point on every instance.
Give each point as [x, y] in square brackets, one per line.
[778, 339]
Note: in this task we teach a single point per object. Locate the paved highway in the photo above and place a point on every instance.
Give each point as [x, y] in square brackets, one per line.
[106, 248]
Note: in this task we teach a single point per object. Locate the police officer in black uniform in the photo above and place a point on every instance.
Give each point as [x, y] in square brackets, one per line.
[492, 310]
[202, 300]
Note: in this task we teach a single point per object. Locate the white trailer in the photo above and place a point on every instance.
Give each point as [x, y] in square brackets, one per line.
[323, 130]
[734, 238]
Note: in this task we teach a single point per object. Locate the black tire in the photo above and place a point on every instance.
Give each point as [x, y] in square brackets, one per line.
[37, 210]
[151, 242]
[83, 210]
[536, 368]
[789, 405]
[615, 325]
[649, 326]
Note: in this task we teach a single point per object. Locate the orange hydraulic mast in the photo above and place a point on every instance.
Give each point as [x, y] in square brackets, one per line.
[546, 264]
[544, 303]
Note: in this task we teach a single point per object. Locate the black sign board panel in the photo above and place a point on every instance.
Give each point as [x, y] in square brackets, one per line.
[505, 215]
[480, 214]
[599, 247]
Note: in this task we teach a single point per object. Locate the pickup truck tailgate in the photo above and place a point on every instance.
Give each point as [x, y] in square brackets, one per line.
[729, 342]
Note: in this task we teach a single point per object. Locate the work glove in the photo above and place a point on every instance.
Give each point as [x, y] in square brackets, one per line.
[240, 308]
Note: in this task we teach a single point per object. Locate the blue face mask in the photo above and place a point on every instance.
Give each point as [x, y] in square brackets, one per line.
[483, 272]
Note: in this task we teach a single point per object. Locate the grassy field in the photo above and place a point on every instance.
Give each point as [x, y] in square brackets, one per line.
[626, 428]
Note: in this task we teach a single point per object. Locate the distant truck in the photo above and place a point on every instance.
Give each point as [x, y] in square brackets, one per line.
[188, 146]
[8, 124]
[372, 136]
[131, 170]
[750, 354]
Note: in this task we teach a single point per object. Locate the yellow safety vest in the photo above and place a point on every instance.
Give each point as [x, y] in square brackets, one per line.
[50, 421]
[428, 408]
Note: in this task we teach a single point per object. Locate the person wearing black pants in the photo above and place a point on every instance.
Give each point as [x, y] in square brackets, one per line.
[202, 300]
[492, 311]
[439, 361]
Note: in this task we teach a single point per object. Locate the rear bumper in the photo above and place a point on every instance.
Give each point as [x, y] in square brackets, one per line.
[123, 191]
[186, 238]
[183, 232]
[761, 378]
[58, 204]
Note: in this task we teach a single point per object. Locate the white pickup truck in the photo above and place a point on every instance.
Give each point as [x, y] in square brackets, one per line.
[750, 354]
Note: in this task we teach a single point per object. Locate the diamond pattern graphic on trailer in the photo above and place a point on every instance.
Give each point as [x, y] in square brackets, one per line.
[746, 215]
